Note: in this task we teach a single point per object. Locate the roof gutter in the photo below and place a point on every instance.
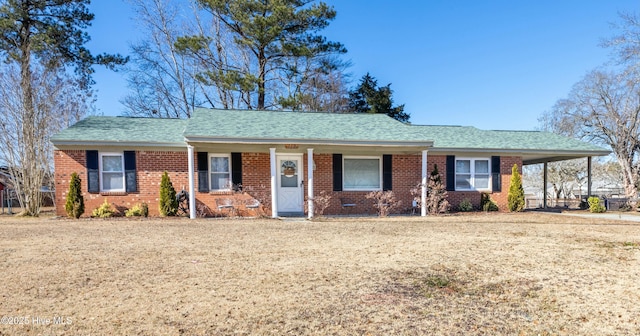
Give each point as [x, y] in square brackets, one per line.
[116, 143]
[557, 152]
[267, 141]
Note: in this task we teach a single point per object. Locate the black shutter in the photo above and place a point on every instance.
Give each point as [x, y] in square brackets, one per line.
[387, 175]
[203, 172]
[496, 179]
[93, 172]
[236, 170]
[337, 172]
[130, 179]
[451, 173]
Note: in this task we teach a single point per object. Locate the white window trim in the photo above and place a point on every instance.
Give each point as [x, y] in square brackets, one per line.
[379, 158]
[473, 173]
[124, 182]
[228, 156]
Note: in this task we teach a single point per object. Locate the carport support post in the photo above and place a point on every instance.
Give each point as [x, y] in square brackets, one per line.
[192, 192]
[423, 192]
[588, 177]
[274, 183]
[310, 181]
[544, 185]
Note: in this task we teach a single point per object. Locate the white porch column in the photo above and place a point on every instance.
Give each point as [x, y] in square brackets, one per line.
[310, 182]
[588, 177]
[192, 192]
[545, 178]
[423, 196]
[274, 183]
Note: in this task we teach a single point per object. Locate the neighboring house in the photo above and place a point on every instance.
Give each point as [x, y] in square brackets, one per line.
[283, 158]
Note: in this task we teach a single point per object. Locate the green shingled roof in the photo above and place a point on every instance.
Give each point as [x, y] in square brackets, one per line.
[459, 137]
[251, 124]
[124, 130]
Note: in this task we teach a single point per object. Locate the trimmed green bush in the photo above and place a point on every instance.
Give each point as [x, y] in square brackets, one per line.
[595, 206]
[465, 205]
[515, 199]
[138, 210]
[487, 204]
[168, 202]
[103, 211]
[75, 202]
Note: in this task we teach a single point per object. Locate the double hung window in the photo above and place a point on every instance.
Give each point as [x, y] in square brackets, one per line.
[220, 172]
[362, 173]
[473, 174]
[112, 172]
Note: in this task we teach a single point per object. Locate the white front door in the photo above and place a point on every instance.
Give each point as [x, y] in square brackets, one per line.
[290, 188]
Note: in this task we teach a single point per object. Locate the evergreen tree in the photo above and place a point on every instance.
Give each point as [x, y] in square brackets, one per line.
[368, 97]
[272, 36]
[168, 201]
[515, 199]
[75, 201]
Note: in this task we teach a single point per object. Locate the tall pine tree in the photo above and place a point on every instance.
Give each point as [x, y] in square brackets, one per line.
[273, 35]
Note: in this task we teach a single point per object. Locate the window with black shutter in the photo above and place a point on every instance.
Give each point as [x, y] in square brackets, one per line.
[451, 172]
[203, 172]
[496, 180]
[337, 172]
[93, 171]
[236, 170]
[387, 172]
[130, 178]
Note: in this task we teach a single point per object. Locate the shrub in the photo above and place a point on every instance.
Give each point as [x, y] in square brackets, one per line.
[595, 206]
[465, 205]
[138, 210]
[384, 201]
[75, 202]
[487, 203]
[515, 199]
[321, 202]
[103, 211]
[436, 194]
[168, 202]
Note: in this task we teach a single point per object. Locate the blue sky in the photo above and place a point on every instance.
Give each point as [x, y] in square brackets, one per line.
[492, 64]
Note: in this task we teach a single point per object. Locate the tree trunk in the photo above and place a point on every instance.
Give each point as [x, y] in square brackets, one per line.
[262, 75]
[27, 170]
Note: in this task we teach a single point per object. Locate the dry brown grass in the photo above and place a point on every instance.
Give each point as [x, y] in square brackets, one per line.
[509, 274]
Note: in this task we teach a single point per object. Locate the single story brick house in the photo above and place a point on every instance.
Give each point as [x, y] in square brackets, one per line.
[284, 158]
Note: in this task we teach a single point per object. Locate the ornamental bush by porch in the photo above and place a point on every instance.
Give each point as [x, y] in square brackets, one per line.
[168, 202]
[103, 211]
[436, 194]
[75, 202]
[595, 206]
[515, 199]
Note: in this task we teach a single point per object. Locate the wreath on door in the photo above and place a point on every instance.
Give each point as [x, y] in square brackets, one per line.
[288, 168]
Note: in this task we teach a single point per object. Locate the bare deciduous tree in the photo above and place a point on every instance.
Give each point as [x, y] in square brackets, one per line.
[58, 103]
[626, 43]
[604, 107]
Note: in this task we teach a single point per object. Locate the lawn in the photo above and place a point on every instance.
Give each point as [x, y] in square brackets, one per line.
[489, 274]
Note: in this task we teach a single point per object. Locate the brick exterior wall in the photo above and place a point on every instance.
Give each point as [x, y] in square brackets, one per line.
[256, 183]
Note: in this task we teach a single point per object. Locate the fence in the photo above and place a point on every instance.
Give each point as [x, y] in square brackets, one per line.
[613, 204]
